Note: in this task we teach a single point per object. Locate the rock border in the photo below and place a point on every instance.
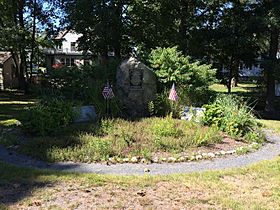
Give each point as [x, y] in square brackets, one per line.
[187, 158]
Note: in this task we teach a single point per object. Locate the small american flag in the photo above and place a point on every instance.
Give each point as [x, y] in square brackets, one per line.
[173, 94]
[107, 91]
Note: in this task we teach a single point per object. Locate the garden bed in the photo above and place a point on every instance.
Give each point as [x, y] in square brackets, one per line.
[147, 140]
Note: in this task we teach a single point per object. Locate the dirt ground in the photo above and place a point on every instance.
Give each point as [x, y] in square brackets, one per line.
[164, 195]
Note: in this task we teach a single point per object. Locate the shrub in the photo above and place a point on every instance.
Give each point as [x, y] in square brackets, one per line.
[162, 106]
[231, 115]
[48, 117]
[192, 78]
[83, 85]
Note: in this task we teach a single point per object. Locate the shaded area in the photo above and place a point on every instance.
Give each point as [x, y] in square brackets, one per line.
[11, 193]
[12, 103]
[17, 183]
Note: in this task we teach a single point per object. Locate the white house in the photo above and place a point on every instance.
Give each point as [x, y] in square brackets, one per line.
[65, 52]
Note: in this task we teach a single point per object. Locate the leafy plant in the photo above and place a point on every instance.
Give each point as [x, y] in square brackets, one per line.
[170, 65]
[83, 85]
[122, 139]
[162, 106]
[106, 126]
[231, 115]
[166, 127]
[48, 117]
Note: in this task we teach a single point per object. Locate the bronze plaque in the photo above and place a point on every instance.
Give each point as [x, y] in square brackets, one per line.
[136, 78]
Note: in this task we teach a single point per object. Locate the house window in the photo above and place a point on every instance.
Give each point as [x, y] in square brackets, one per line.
[62, 61]
[67, 62]
[52, 61]
[73, 46]
[72, 62]
[86, 62]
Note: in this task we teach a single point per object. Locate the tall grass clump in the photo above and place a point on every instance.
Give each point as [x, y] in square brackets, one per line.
[121, 138]
[233, 116]
[177, 135]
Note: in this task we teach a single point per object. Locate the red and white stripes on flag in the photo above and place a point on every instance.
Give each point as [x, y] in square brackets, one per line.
[173, 94]
[108, 92]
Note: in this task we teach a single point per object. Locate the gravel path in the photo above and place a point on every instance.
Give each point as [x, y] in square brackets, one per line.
[270, 150]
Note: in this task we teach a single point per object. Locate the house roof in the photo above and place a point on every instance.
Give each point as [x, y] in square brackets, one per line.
[4, 56]
[61, 34]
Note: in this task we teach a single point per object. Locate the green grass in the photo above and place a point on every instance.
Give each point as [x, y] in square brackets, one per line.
[12, 104]
[272, 124]
[242, 87]
[250, 91]
[111, 138]
[121, 138]
[253, 187]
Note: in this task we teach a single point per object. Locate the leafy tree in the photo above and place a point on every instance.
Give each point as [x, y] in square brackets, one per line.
[102, 24]
[269, 11]
[170, 65]
[20, 22]
[228, 35]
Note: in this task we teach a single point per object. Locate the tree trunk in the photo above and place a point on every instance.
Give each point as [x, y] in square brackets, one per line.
[183, 26]
[33, 39]
[270, 94]
[236, 74]
[22, 68]
[230, 75]
[16, 60]
[118, 8]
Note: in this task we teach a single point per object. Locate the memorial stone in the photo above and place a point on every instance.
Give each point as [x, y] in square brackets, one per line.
[193, 114]
[136, 87]
[85, 114]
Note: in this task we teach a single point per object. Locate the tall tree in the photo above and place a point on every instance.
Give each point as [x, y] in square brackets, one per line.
[101, 23]
[20, 21]
[270, 10]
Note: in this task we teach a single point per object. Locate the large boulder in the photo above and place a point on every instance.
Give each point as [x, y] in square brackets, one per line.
[136, 87]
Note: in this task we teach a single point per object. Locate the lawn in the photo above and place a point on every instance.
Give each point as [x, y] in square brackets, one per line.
[12, 104]
[254, 187]
[272, 124]
[241, 88]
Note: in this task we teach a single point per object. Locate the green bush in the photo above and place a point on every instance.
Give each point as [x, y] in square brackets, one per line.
[48, 117]
[231, 115]
[83, 85]
[192, 78]
[162, 106]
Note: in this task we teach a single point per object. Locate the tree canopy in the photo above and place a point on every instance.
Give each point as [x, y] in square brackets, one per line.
[226, 33]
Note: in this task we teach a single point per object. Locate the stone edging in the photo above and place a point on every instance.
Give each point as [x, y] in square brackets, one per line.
[194, 157]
